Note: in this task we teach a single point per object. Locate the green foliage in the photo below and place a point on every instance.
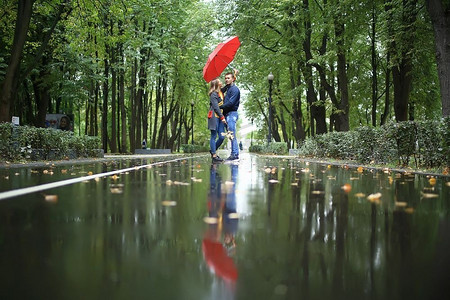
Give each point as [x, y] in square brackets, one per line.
[427, 142]
[20, 142]
[277, 148]
[189, 148]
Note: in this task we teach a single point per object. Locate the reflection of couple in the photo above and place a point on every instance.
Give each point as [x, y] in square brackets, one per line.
[222, 207]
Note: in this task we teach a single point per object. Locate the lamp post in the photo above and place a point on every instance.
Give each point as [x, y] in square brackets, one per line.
[192, 122]
[270, 79]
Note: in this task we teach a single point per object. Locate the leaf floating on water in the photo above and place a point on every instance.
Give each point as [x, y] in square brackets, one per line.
[332, 177]
[354, 178]
[169, 182]
[180, 183]
[97, 179]
[329, 167]
[360, 169]
[428, 195]
[267, 170]
[294, 183]
[196, 179]
[318, 192]
[162, 174]
[210, 220]
[409, 210]
[432, 181]
[401, 204]
[169, 203]
[346, 187]
[373, 197]
[90, 173]
[391, 180]
[447, 183]
[428, 189]
[306, 170]
[51, 198]
[233, 216]
[116, 190]
[114, 177]
[274, 170]
[64, 171]
[273, 181]
[360, 195]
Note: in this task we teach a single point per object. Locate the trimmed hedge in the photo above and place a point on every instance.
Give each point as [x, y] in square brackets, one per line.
[18, 142]
[426, 143]
[188, 148]
[277, 148]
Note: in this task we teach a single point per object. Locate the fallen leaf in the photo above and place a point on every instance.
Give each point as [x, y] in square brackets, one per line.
[233, 216]
[374, 196]
[116, 190]
[346, 187]
[360, 195]
[210, 220]
[267, 170]
[273, 181]
[317, 192]
[90, 173]
[51, 198]
[432, 181]
[169, 203]
[360, 169]
[429, 195]
[401, 204]
[409, 210]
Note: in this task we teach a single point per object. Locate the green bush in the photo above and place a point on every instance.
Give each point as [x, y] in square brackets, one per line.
[19, 142]
[427, 142]
[188, 148]
[278, 148]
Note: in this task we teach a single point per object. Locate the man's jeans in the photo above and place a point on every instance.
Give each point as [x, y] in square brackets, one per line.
[232, 118]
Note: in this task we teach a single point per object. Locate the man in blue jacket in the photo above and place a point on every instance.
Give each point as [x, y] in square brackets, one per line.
[230, 107]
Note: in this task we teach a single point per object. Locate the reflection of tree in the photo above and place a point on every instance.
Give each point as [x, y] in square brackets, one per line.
[340, 201]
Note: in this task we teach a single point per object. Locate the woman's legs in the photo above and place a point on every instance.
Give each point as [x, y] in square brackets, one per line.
[212, 142]
[220, 129]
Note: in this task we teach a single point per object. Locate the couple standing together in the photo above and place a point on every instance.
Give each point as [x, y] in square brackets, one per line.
[223, 112]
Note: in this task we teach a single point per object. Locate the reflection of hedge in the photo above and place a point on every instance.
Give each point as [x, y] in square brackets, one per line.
[188, 148]
[18, 142]
[272, 148]
[427, 143]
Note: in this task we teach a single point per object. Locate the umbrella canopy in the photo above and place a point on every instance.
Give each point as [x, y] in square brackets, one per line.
[219, 59]
[218, 260]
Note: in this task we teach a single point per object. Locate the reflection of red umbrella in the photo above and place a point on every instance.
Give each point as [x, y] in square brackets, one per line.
[219, 59]
[218, 260]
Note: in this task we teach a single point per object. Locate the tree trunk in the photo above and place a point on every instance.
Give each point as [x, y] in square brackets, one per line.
[113, 95]
[342, 116]
[401, 72]
[105, 105]
[374, 67]
[10, 82]
[440, 19]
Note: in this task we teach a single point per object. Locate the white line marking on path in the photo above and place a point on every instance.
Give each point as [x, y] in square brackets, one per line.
[46, 186]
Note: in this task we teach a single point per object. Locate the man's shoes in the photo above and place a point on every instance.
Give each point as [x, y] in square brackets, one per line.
[233, 157]
[216, 159]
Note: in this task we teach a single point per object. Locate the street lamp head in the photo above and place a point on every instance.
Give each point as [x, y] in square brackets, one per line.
[270, 77]
[192, 103]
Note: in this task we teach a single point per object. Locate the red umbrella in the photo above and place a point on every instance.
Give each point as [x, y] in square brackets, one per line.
[219, 59]
[218, 260]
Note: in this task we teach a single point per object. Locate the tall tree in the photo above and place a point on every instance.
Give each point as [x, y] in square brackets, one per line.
[440, 17]
[10, 82]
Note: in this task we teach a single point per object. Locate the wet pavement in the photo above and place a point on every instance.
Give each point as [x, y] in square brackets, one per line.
[260, 228]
